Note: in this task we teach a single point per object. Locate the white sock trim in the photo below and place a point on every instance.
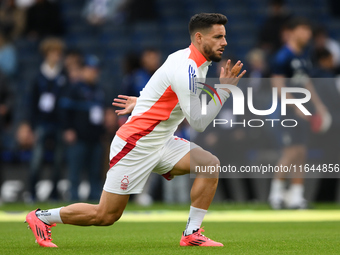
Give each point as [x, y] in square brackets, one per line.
[277, 189]
[296, 193]
[196, 216]
[50, 216]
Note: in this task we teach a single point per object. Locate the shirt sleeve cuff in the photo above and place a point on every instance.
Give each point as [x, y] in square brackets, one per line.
[223, 94]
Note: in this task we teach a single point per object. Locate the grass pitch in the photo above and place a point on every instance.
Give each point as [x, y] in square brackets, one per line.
[318, 236]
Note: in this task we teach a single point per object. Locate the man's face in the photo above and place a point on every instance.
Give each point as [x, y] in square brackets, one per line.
[75, 73]
[54, 56]
[151, 60]
[302, 34]
[72, 59]
[213, 42]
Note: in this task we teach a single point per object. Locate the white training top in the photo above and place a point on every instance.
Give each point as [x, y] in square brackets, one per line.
[171, 95]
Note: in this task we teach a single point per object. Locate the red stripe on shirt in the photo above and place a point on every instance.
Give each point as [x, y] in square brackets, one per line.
[140, 126]
[143, 124]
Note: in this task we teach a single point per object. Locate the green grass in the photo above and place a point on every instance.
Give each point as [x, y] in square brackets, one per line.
[163, 238]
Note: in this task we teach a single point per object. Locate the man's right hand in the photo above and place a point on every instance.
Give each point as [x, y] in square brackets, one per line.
[231, 76]
[125, 102]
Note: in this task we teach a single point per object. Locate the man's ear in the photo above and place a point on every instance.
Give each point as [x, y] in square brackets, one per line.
[198, 37]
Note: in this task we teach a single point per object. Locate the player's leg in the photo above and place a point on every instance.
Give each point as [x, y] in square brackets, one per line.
[294, 153]
[183, 161]
[109, 210]
[205, 184]
[126, 176]
[295, 197]
[291, 155]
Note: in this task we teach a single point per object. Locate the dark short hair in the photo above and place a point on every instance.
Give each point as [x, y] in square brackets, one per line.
[205, 20]
[296, 22]
[320, 30]
[321, 53]
[51, 43]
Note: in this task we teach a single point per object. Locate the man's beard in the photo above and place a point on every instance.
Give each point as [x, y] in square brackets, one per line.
[210, 54]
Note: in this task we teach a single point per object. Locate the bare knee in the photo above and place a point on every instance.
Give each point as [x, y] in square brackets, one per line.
[210, 168]
[295, 154]
[214, 161]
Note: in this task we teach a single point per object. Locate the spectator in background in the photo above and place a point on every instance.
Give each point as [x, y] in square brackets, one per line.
[323, 41]
[12, 19]
[83, 111]
[8, 58]
[324, 63]
[73, 57]
[44, 19]
[270, 38]
[136, 81]
[73, 63]
[43, 113]
[257, 68]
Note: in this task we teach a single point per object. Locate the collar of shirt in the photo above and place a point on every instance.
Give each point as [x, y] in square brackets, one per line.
[50, 72]
[198, 57]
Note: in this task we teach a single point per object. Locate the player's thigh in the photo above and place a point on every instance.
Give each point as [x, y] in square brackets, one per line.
[130, 169]
[296, 152]
[196, 157]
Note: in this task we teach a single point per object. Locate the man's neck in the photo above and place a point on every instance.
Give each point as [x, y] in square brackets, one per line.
[199, 49]
[295, 47]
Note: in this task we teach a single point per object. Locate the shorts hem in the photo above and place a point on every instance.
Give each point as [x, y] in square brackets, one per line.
[172, 163]
[119, 192]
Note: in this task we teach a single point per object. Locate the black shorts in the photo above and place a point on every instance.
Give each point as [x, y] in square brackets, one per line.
[298, 135]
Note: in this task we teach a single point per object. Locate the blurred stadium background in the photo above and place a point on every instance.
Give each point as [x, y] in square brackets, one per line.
[117, 32]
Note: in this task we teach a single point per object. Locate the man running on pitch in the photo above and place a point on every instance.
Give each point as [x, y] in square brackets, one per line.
[146, 142]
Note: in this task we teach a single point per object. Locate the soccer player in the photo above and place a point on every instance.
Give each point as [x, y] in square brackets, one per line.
[292, 62]
[146, 143]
